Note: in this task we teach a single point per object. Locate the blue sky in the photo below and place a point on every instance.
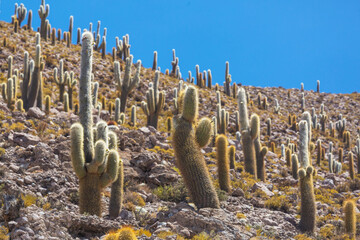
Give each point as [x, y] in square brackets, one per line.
[268, 43]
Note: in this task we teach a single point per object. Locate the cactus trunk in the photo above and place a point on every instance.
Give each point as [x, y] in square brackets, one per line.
[90, 194]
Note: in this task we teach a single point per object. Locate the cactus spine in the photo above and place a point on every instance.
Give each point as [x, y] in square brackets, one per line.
[187, 151]
[155, 102]
[126, 84]
[96, 167]
[222, 157]
[308, 208]
[350, 217]
[249, 132]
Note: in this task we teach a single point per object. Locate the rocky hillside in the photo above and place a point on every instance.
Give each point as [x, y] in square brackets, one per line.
[40, 190]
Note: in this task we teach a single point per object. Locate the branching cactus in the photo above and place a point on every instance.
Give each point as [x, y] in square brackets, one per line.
[43, 14]
[155, 102]
[126, 83]
[174, 63]
[308, 208]
[61, 81]
[187, 141]
[21, 13]
[222, 158]
[249, 132]
[95, 166]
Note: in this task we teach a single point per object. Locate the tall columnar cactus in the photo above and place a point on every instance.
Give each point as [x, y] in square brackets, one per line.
[66, 102]
[302, 87]
[155, 102]
[249, 132]
[154, 67]
[307, 117]
[71, 25]
[260, 159]
[268, 125]
[350, 217]
[174, 63]
[32, 77]
[222, 119]
[43, 14]
[95, 166]
[318, 86]
[71, 83]
[304, 145]
[29, 22]
[133, 115]
[308, 208]
[95, 91]
[351, 166]
[276, 107]
[288, 157]
[10, 69]
[319, 152]
[222, 158]
[126, 83]
[227, 81]
[347, 139]
[187, 141]
[294, 166]
[232, 150]
[61, 81]
[302, 102]
[357, 152]
[47, 104]
[209, 79]
[117, 188]
[341, 155]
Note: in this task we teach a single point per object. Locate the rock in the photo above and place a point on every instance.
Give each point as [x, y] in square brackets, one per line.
[35, 112]
[146, 160]
[25, 139]
[238, 192]
[263, 188]
[145, 130]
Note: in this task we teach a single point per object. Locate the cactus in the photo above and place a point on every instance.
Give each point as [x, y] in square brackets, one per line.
[304, 145]
[61, 81]
[19, 105]
[96, 167]
[260, 161]
[133, 115]
[268, 125]
[232, 156]
[319, 152]
[222, 158]
[227, 89]
[341, 155]
[340, 127]
[43, 14]
[102, 47]
[209, 79]
[78, 39]
[318, 86]
[126, 84]
[21, 13]
[117, 188]
[222, 119]
[155, 102]
[331, 162]
[174, 63]
[249, 132]
[94, 95]
[302, 102]
[66, 102]
[8, 93]
[169, 124]
[308, 208]
[71, 24]
[71, 83]
[154, 67]
[357, 152]
[351, 166]
[288, 157]
[29, 21]
[117, 110]
[350, 217]
[347, 139]
[47, 104]
[294, 166]
[277, 107]
[307, 117]
[187, 151]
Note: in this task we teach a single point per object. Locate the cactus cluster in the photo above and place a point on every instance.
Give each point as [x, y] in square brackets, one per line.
[155, 101]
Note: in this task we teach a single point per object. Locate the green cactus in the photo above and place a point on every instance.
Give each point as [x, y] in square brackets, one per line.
[318, 86]
[96, 167]
[29, 21]
[187, 152]
[71, 83]
[260, 159]
[10, 69]
[155, 102]
[154, 67]
[294, 166]
[174, 63]
[351, 166]
[126, 84]
[222, 158]
[71, 24]
[249, 132]
[268, 126]
[341, 126]
[19, 106]
[47, 104]
[232, 150]
[133, 115]
[95, 92]
[227, 89]
[308, 208]
[66, 102]
[350, 217]
[169, 124]
[357, 152]
[341, 155]
[209, 79]
[304, 144]
[61, 81]
[43, 14]
[319, 152]
[8, 93]
[222, 119]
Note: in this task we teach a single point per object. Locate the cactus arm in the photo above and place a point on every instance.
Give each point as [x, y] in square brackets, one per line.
[203, 132]
[77, 153]
[111, 173]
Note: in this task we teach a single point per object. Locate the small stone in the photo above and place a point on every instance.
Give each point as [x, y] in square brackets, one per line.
[35, 112]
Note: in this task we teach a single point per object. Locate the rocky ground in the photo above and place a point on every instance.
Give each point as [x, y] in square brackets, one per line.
[39, 189]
